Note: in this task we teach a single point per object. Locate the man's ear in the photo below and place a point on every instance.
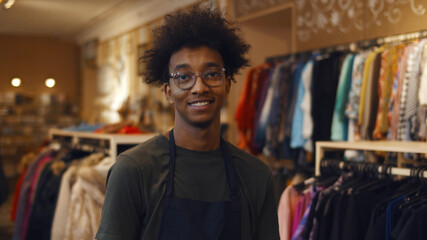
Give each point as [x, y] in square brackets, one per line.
[167, 91]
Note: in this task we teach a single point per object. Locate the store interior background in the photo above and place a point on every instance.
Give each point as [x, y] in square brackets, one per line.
[91, 49]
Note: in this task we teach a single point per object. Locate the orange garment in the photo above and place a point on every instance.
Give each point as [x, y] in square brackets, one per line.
[242, 107]
[16, 195]
[385, 85]
[247, 104]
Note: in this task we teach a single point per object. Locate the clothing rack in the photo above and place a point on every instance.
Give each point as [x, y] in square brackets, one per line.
[109, 141]
[353, 46]
[399, 147]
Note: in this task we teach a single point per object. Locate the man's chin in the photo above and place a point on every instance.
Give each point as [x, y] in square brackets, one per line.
[202, 124]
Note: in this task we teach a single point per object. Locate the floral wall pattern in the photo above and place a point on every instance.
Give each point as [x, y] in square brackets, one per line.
[246, 7]
[360, 19]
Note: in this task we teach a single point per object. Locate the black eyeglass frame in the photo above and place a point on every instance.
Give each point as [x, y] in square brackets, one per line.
[194, 77]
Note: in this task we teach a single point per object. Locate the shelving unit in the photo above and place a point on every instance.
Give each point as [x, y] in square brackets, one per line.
[385, 146]
[114, 140]
[25, 120]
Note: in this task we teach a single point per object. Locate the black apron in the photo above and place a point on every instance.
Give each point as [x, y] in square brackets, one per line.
[187, 219]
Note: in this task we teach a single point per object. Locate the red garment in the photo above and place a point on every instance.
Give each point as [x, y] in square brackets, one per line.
[130, 130]
[16, 195]
[247, 105]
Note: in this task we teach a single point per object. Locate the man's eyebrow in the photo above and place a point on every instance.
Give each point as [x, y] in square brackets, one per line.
[186, 65]
[212, 64]
[180, 66]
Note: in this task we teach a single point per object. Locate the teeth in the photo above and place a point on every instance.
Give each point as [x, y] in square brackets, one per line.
[197, 104]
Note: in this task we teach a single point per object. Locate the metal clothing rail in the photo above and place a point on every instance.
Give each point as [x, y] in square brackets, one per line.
[113, 140]
[353, 46]
[385, 146]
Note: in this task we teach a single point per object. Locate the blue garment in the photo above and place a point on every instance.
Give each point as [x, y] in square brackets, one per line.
[261, 116]
[25, 194]
[286, 151]
[297, 140]
[273, 119]
[84, 127]
[390, 215]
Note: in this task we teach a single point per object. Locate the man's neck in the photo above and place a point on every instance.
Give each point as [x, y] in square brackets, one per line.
[197, 139]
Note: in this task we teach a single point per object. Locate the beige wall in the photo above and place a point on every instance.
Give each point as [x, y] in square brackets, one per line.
[35, 58]
[88, 94]
[268, 35]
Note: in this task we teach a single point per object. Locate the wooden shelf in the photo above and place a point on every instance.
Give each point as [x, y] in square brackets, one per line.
[384, 146]
[114, 139]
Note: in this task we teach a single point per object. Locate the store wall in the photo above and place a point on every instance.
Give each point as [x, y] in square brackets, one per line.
[88, 94]
[269, 35]
[133, 23]
[35, 58]
[327, 23]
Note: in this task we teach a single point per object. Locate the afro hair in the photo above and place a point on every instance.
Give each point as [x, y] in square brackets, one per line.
[194, 28]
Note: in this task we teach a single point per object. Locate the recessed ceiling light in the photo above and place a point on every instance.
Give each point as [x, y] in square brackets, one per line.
[16, 82]
[50, 82]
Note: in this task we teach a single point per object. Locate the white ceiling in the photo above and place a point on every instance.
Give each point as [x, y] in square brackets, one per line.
[60, 18]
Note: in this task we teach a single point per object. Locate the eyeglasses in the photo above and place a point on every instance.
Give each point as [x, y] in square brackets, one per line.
[186, 79]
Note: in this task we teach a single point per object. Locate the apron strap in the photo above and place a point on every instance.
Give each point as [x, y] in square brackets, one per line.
[169, 188]
[233, 183]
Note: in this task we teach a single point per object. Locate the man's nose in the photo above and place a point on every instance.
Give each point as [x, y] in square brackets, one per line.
[199, 85]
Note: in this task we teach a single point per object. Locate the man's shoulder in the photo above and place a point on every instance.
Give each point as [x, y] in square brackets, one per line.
[147, 152]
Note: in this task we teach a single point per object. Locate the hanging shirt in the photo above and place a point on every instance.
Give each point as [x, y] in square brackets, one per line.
[61, 211]
[397, 92]
[365, 82]
[325, 81]
[352, 107]
[422, 96]
[384, 72]
[247, 104]
[263, 108]
[24, 195]
[286, 210]
[297, 140]
[409, 103]
[401, 131]
[369, 96]
[270, 110]
[339, 128]
[307, 131]
[86, 201]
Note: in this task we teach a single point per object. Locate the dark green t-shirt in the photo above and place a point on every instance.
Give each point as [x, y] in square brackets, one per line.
[136, 186]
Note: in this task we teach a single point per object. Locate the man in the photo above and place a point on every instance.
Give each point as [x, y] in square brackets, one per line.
[189, 183]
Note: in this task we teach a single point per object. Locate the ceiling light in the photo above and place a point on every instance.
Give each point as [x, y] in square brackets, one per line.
[50, 82]
[16, 82]
[9, 4]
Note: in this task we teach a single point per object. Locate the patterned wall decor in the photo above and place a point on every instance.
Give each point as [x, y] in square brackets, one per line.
[327, 22]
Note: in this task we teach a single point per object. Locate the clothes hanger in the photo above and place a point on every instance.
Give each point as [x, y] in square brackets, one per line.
[384, 179]
[416, 197]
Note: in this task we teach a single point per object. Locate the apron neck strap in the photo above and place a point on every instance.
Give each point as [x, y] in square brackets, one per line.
[232, 178]
[169, 188]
